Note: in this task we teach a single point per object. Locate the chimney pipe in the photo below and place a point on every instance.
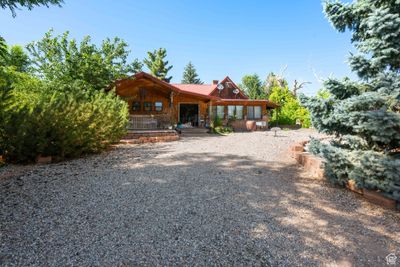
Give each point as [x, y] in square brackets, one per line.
[215, 82]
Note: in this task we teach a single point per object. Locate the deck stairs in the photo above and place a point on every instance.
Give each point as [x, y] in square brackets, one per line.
[194, 132]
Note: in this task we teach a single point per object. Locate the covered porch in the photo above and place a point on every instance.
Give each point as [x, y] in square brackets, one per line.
[242, 114]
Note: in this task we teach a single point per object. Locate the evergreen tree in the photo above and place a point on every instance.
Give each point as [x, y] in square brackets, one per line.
[3, 48]
[364, 116]
[190, 75]
[157, 64]
[16, 4]
[253, 86]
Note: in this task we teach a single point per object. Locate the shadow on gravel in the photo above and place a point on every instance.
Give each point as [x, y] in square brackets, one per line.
[143, 205]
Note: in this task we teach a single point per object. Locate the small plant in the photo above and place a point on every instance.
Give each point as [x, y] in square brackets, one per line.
[222, 130]
[217, 122]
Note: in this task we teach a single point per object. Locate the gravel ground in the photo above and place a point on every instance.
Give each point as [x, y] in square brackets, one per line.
[215, 200]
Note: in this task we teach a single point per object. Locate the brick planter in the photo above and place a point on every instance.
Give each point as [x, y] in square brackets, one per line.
[315, 167]
[152, 139]
[141, 137]
[351, 185]
[312, 164]
[377, 198]
[43, 160]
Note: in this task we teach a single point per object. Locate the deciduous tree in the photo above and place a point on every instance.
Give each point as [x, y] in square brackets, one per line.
[16, 57]
[60, 58]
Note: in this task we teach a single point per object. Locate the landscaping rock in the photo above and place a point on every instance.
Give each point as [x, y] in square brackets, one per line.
[236, 200]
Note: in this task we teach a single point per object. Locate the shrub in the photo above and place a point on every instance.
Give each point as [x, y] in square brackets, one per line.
[363, 116]
[61, 121]
[217, 122]
[222, 130]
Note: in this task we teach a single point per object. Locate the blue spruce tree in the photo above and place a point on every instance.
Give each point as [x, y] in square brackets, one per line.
[364, 116]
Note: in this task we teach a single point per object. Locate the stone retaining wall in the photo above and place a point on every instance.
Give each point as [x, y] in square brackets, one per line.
[140, 137]
[315, 167]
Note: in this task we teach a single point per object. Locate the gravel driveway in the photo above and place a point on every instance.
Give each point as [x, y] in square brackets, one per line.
[215, 200]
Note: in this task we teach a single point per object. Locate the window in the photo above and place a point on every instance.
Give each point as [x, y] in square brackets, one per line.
[147, 106]
[221, 112]
[254, 112]
[158, 106]
[136, 106]
[257, 112]
[231, 112]
[235, 112]
[239, 112]
[217, 111]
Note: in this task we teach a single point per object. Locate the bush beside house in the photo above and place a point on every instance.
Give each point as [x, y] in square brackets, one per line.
[56, 106]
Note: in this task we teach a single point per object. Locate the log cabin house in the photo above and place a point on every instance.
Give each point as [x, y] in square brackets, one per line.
[155, 104]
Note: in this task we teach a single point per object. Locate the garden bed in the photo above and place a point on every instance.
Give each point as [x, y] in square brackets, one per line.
[315, 167]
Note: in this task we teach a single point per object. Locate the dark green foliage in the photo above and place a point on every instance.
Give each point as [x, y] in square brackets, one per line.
[253, 86]
[157, 64]
[190, 75]
[50, 119]
[58, 58]
[364, 116]
[63, 118]
[217, 122]
[16, 57]
[16, 4]
[3, 48]
[375, 27]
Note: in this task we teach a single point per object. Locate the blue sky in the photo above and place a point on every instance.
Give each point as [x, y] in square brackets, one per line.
[221, 38]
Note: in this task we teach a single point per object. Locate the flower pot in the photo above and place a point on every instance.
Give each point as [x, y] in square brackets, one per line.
[251, 125]
[379, 199]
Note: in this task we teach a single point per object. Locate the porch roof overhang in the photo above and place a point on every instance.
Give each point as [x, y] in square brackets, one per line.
[269, 104]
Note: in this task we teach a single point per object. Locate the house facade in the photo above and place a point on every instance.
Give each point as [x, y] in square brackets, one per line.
[156, 104]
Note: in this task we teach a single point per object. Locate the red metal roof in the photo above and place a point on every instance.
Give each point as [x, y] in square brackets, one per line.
[203, 89]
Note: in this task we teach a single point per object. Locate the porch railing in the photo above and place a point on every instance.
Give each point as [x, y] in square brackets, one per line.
[148, 122]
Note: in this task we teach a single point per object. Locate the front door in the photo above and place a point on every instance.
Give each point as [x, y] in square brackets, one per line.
[189, 114]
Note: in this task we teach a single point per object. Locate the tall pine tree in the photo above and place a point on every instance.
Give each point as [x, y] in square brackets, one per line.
[3, 48]
[16, 4]
[157, 64]
[190, 75]
[364, 116]
[253, 86]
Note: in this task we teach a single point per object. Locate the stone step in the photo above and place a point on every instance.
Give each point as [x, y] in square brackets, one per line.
[150, 133]
[189, 132]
